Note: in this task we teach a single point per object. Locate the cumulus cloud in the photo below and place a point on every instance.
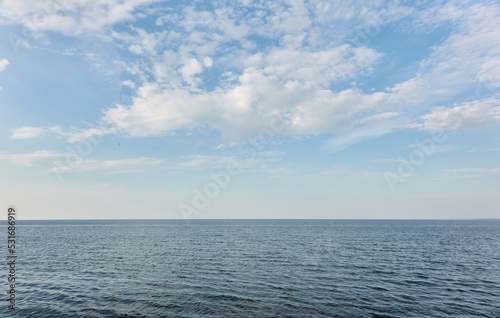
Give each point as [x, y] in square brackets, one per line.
[233, 68]
[299, 81]
[3, 64]
[319, 68]
[189, 70]
[280, 81]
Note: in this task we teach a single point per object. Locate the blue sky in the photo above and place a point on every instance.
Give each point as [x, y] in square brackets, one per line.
[250, 109]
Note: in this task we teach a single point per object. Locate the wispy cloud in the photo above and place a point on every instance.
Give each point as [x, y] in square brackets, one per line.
[45, 157]
[441, 148]
[72, 135]
[205, 161]
[69, 18]
[273, 153]
[388, 160]
[31, 159]
[27, 132]
[277, 172]
[367, 128]
[136, 165]
[346, 173]
[470, 172]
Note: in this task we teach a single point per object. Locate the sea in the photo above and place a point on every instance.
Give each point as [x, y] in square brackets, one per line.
[255, 268]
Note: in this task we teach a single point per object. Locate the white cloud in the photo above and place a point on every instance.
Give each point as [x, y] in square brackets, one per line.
[205, 162]
[303, 72]
[364, 129]
[72, 18]
[77, 135]
[470, 172]
[490, 72]
[278, 172]
[27, 132]
[297, 80]
[36, 132]
[316, 68]
[129, 83]
[292, 19]
[388, 160]
[208, 62]
[59, 164]
[279, 81]
[469, 115]
[136, 49]
[191, 68]
[155, 112]
[3, 64]
[112, 166]
[219, 162]
[466, 53]
[271, 153]
[342, 173]
[343, 141]
[30, 159]
[73, 135]
[220, 23]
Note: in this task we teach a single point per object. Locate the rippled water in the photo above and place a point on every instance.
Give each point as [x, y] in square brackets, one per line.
[259, 268]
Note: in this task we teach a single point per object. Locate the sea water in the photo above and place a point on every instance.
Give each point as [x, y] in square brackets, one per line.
[256, 268]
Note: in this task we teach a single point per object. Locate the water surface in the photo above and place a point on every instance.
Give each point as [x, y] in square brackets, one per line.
[258, 268]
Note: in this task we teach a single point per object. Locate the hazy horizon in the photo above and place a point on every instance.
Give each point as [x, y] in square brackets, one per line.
[250, 109]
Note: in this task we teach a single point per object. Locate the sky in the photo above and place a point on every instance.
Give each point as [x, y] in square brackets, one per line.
[143, 109]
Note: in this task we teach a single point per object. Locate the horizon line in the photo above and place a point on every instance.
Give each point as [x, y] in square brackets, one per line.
[269, 219]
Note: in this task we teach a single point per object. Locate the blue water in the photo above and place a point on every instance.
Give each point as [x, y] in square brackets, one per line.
[257, 268]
